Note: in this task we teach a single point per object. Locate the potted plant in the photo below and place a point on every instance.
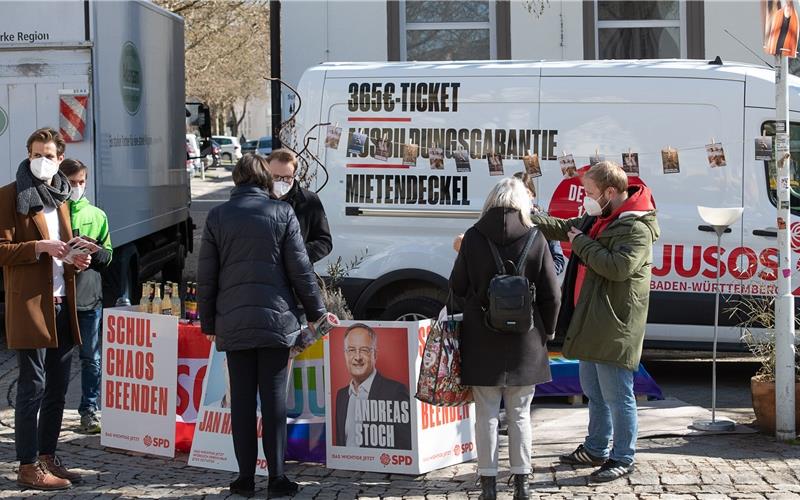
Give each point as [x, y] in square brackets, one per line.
[758, 322]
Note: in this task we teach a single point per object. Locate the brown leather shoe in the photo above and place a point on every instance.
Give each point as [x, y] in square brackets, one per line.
[37, 477]
[53, 464]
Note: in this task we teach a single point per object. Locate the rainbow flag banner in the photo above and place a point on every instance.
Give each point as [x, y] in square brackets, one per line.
[567, 383]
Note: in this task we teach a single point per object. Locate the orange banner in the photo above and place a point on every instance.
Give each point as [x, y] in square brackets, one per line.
[780, 22]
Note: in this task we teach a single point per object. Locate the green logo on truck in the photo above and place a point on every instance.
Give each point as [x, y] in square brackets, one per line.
[3, 121]
[130, 78]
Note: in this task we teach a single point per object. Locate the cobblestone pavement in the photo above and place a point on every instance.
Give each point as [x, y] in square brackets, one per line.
[710, 467]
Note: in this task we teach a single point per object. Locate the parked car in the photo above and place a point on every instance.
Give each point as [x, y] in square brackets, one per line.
[264, 145]
[249, 146]
[230, 148]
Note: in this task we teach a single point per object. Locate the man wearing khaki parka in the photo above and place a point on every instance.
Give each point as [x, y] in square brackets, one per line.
[40, 316]
[605, 298]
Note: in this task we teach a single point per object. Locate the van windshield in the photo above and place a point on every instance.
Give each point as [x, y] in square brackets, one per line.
[768, 128]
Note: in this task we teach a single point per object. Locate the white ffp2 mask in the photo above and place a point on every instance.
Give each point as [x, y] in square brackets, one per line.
[77, 193]
[280, 188]
[43, 168]
[593, 207]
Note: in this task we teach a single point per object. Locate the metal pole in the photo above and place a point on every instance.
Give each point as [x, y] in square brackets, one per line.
[716, 328]
[275, 70]
[784, 302]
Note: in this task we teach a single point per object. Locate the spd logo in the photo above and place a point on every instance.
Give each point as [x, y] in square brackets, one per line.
[463, 448]
[386, 459]
[795, 234]
[155, 442]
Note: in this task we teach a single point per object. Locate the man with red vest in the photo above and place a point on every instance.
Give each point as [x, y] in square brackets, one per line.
[604, 306]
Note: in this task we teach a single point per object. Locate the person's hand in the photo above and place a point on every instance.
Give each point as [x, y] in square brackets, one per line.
[56, 248]
[312, 327]
[573, 232]
[211, 338]
[457, 242]
[82, 261]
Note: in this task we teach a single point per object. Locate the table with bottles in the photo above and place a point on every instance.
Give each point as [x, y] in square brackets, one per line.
[169, 302]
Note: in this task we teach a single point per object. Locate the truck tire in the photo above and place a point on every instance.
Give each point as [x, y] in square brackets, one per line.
[412, 309]
[173, 271]
[121, 279]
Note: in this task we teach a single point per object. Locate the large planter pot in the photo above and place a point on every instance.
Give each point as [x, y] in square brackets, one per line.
[763, 393]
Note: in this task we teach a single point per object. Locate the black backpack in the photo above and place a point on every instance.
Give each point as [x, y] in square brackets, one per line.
[511, 296]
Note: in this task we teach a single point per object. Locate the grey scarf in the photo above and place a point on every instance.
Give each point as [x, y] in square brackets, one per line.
[34, 194]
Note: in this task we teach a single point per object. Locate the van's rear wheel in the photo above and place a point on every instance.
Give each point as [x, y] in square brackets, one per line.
[412, 309]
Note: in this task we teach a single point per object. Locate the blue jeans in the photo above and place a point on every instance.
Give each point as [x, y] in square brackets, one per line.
[89, 322]
[612, 409]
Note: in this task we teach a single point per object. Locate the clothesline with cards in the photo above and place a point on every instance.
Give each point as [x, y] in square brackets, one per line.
[357, 145]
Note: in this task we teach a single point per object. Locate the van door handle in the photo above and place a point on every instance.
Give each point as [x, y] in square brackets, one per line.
[710, 229]
[769, 233]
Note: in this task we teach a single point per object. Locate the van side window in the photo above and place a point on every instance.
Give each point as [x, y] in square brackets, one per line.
[768, 128]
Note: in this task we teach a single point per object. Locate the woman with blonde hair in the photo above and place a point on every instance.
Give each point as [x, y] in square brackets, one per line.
[500, 365]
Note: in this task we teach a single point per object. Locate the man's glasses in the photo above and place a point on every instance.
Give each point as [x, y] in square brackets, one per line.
[285, 178]
[364, 351]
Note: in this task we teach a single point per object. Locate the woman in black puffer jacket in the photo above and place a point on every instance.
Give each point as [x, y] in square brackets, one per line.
[252, 264]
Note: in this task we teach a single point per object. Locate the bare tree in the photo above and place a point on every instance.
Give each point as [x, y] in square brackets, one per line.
[227, 54]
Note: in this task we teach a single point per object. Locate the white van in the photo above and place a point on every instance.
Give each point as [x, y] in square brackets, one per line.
[406, 215]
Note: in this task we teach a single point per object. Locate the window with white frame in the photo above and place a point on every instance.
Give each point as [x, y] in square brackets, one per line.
[640, 29]
[447, 30]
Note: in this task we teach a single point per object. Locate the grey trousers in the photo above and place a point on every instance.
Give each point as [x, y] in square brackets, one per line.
[518, 413]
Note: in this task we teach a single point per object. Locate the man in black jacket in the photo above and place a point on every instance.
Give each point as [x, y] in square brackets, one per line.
[372, 411]
[307, 207]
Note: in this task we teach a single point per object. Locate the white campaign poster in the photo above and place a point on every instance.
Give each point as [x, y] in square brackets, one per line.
[373, 422]
[446, 434]
[140, 355]
[212, 446]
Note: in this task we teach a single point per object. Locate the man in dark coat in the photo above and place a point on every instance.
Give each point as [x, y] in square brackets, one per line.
[359, 420]
[306, 204]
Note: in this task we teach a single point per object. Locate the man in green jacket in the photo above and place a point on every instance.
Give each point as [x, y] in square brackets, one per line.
[91, 222]
[604, 305]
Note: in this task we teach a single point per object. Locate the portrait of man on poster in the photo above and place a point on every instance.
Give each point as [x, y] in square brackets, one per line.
[372, 411]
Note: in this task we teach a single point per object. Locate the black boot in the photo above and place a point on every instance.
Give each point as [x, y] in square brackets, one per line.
[488, 488]
[521, 488]
[281, 487]
[244, 486]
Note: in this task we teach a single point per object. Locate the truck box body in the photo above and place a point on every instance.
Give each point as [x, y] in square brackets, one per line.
[407, 215]
[129, 58]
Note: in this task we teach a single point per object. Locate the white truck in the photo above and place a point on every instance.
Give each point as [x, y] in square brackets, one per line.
[111, 75]
[406, 211]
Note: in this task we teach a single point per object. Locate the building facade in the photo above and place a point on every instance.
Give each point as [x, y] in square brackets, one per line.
[420, 30]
